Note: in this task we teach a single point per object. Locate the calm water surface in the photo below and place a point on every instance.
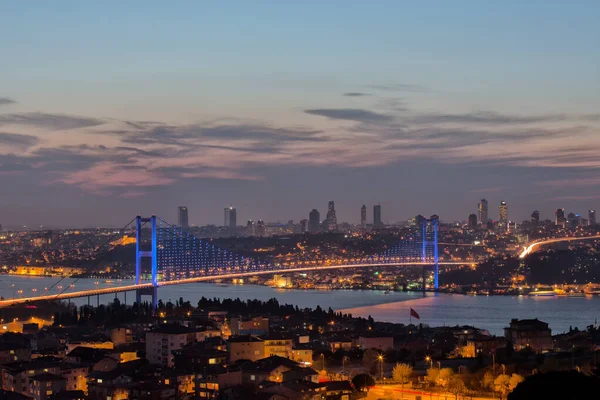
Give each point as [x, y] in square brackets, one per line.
[492, 313]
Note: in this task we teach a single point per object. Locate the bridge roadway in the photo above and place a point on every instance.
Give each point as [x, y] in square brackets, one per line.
[130, 288]
[531, 247]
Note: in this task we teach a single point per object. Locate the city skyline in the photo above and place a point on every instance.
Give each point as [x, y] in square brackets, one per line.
[103, 116]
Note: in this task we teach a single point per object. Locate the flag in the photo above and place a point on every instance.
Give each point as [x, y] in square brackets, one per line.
[413, 313]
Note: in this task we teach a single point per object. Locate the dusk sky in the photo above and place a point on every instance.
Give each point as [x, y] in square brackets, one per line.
[110, 109]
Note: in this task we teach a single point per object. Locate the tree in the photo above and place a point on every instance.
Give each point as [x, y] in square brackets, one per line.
[444, 376]
[515, 379]
[433, 375]
[402, 373]
[370, 356]
[488, 381]
[502, 385]
[362, 382]
[556, 385]
[456, 385]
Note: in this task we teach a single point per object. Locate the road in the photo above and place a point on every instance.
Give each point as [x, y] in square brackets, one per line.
[530, 248]
[395, 392]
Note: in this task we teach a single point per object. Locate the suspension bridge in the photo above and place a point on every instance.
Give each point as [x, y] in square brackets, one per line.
[174, 257]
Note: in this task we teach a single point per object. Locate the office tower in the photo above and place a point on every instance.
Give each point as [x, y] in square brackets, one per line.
[182, 217]
[591, 217]
[473, 221]
[261, 228]
[535, 217]
[303, 225]
[251, 228]
[503, 208]
[482, 210]
[571, 220]
[377, 216]
[419, 219]
[230, 219]
[363, 216]
[314, 219]
[331, 220]
[559, 217]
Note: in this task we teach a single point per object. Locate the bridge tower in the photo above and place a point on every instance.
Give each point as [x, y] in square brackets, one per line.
[433, 224]
[151, 254]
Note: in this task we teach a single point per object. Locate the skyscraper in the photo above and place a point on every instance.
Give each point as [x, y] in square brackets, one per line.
[314, 219]
[331, 220]
[473, 221]
[251, 228]
[377, 216]
[535, 217]
[303, 225]
[482, 211]
[182, 217]
[591, 217]
[363, 216]
[261, 229]
[230, 219]
[503, 209]
[559, 215]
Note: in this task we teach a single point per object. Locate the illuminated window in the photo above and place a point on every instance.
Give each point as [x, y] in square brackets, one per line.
[212, 360]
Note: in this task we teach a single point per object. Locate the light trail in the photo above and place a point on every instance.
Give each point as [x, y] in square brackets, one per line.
[130, 288]
[531, 248]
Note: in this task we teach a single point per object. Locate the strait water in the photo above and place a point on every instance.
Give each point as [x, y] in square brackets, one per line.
[488, 312]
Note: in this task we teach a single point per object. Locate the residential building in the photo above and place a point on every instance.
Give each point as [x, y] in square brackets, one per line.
[45, 385]
[528, 333]
[363, 216]
[245, 347]
[378, 342]
[277, 344]
[249, 326]
[164, 339]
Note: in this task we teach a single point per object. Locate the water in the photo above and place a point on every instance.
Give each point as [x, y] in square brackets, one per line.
[488, 312]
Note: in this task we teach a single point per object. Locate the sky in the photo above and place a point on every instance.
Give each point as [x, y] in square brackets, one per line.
[112, 109]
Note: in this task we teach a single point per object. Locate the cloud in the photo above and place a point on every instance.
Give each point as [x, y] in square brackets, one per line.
[18, 141]
[356, 94]
[350, 114]
[484, 117]
[54, 122]
[6, 101]
[399, 87]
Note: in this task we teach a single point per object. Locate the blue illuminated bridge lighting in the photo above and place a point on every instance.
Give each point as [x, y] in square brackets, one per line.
[178, 257]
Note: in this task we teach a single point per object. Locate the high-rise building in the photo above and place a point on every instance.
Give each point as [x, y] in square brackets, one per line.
[377, 216]
[261, 229]
[331, 220]
[314, 220]
[473, 221]
[303, 225]
[572, 220]
[503, 209]
[591, 217]
[559, 217]
[535, 217]
[182, 217]
[230, 219]
[251, 228]
[363, 216]
[482, 211]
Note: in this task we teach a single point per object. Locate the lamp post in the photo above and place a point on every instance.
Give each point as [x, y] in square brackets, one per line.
[428, 359]
[380, 358]
[323, 361]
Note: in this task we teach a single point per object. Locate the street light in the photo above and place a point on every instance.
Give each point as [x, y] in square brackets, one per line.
[323, 360]
[380, 358]
[430, 361]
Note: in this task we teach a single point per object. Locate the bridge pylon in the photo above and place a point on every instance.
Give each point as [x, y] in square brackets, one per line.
[140, 254]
